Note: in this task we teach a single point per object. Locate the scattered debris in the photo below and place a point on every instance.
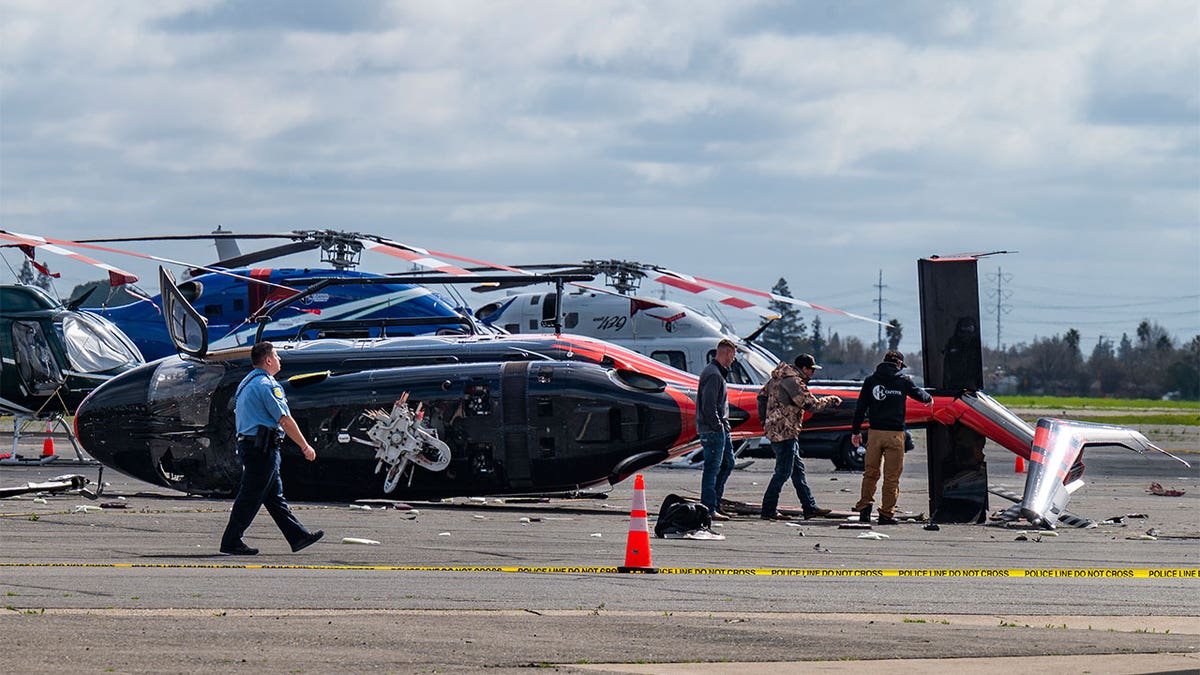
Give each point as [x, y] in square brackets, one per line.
[356, 540]
[443, 534]
[40, 500]
[820, 549]
[873, 535]
[793, 524]
[84, 508]
[932, 527]
[699, 535]
[113, 505]
[1153, 532]
[1144, 537]
[1157, 489]
[596, 535]
[361, 507]
[479, 517]
[67, 483]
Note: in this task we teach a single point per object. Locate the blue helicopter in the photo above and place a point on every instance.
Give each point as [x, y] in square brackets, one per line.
[233, 296]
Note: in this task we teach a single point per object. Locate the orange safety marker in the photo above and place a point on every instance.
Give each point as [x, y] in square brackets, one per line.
[1019, 467]
[48, 444]
[637, 547]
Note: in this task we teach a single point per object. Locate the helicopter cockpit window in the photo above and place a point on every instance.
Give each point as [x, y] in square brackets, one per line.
[93, 346]
[738, 374]
[187, 387]
[24, 299]
[757, 365]
[36, 364]
[674, 358]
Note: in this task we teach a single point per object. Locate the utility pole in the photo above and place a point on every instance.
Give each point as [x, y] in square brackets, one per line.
[879, 316]
[1001, 295]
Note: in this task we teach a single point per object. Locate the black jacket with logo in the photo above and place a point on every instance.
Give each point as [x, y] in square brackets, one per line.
[882, 398]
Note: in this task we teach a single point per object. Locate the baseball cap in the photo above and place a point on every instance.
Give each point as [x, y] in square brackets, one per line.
[806, 361]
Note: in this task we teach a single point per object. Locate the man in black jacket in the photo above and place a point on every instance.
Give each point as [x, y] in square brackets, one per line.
[712, 423]
[882, 399]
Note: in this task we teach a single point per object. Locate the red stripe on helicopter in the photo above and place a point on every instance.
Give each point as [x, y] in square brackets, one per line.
[681, 284]
[738, 302]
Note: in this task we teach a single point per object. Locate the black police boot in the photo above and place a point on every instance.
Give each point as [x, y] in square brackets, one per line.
[309, 540]
[240, 549]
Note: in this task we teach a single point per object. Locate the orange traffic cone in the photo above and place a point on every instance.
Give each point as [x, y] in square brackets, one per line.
[48, 444]
[1020, 465]
[637, 547]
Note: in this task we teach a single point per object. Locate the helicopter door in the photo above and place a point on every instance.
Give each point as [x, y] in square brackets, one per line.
[515, 387]
[187, 328]
[38, 369]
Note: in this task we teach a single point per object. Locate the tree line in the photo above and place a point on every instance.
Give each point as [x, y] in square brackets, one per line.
[1150, 363]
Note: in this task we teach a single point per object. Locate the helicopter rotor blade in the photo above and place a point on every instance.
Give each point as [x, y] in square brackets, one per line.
[704, 288]
[429, 258]
[248, 259]
[184, 237]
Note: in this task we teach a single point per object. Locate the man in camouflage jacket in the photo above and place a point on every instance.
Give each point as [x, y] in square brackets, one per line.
[788, 398]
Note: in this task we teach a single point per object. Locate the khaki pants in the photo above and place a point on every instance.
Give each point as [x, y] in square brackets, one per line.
[888, 447]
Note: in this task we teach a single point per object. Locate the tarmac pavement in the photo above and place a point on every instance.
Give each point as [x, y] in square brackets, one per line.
[141, 589]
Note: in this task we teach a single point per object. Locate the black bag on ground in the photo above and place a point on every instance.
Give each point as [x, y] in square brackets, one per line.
[680, 516]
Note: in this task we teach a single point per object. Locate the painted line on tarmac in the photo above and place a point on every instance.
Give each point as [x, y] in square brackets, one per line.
[1080, 573]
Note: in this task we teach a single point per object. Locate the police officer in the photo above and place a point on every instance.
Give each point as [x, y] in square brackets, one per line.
[262, 414]
[882, 399]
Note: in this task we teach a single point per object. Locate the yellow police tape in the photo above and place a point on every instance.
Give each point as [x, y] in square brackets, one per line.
[1081, 573]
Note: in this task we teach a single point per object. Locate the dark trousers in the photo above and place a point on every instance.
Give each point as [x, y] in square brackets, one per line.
[788, 464]
[260, 486]
[718, 464]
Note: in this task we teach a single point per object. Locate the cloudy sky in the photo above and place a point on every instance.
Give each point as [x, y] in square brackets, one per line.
[822, 142]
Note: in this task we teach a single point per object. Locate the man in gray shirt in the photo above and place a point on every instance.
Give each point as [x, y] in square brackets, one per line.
[712, 424]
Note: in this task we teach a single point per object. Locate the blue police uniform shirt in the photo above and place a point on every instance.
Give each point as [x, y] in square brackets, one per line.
[260, 403]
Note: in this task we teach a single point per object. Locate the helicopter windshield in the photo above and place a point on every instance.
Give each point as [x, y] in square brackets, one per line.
[95, 345]
[756, 360]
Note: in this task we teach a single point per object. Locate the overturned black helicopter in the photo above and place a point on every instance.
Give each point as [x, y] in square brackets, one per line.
[497, 414]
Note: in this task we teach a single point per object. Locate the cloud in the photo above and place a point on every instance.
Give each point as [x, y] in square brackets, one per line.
[742, 141]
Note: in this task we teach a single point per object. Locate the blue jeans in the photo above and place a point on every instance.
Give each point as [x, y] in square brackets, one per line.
[260, 486]
[787, 463]
[718, 464]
